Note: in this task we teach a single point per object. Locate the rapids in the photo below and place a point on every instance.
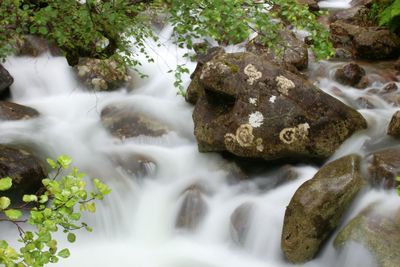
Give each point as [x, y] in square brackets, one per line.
[135, 225]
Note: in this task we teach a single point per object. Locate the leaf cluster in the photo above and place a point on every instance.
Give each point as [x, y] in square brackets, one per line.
[390, 16]
[56, 207]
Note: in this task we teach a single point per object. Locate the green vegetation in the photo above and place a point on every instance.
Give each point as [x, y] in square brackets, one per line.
[57, 206]
[390, 15]
[120, 28]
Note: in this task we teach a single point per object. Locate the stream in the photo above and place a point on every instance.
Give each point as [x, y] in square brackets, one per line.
[135, 225]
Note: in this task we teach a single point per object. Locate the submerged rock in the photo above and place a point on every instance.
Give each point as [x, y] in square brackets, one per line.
[102, 75]
[23, 168]
[350, 74]
[378, 230]
[394, 125]
[241, 221]
[122, 122]
[135, 164]
[384, 167]
[14, 111]
[192, 210]
[295, 51]
[317, 207]
[33, 46]
[252, 108]
[5, 82]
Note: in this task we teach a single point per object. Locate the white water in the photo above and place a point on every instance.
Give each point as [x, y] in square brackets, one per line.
[134, 227]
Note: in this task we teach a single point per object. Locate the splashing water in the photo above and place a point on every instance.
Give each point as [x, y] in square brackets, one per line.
[135, 226]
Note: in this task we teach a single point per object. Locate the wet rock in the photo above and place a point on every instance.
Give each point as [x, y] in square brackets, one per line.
[358, 15]
[136, 164]
[122, 122]
[365, 42]
[317, 207]
[33, 46]
[102, 75]
[384, 167]
[14, 111]
[365, 101]
[251, 108]
[389, 88]
[394, 125]
[241, 222]
[192, 210]
[378, 230]
[295, 51]
[350, 74]
[5, 82]
[312, 4]
[366, 3]
[342, 53]
[23, 168]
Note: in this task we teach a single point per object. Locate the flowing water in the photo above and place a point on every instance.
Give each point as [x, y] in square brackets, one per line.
[135, 226]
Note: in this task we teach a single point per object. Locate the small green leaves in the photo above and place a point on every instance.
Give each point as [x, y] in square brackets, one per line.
[103, 188]
[64, 253]
[71, 237]
[13, 214]
[52, 163]
[29, 198]
[4, 203]
[5, 183]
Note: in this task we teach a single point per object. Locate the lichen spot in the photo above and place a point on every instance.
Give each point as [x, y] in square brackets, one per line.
[212, 68]
[288, 135]
[303, 130]
[259, 145]
[229, 139]
[253, 101]
[272, 99]
[252, 73]
[244, 135]
[284, 84]
[256, 119]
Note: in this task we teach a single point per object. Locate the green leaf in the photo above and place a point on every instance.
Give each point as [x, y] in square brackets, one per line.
[52, 163]
[4, 203]
[71, 237]
[64, 253]
[13, 214]
[29, 198]
[5, 183]
[64, 161]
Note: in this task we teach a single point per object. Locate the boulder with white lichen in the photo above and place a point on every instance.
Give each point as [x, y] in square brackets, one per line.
[252, 108]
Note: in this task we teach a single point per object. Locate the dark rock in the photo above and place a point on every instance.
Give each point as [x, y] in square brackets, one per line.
[366, 3]
[13, 111]
[5, 82]
[193, 208]
[365, 101]
[317, 207]
[102, 75]
[358, 15]
[394, 125]
[342, 53]
[23, 168]
[384, 167]
[365, 42]
[251, 108]
[397, 65]
[241, 222]
[312, 4]
[295, 51]
[122, 122]
[378, 230]
[350, 74]
[33, 46]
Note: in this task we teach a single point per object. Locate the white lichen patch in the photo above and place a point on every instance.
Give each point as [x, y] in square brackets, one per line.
[253, 74]
[290, 135]
[210, 68]
[284, 84]
[253, 101]
[259, 145]
[229, 138]
[256, 119]
[272, 99]
[244, 135]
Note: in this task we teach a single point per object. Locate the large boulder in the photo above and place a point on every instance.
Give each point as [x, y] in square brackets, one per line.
[384, 167]
[378, 230]
[350, 74]
[193, 208]
[14, 111]
[365, 42]
[317, 207]
[122, 122]
[5, 82]
[295, 52]
[252, 108]
[102, 75]
[23, 168]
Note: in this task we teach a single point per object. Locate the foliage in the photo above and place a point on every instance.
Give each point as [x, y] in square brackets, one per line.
[57, 206]
[120, 28]
[390, 16]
